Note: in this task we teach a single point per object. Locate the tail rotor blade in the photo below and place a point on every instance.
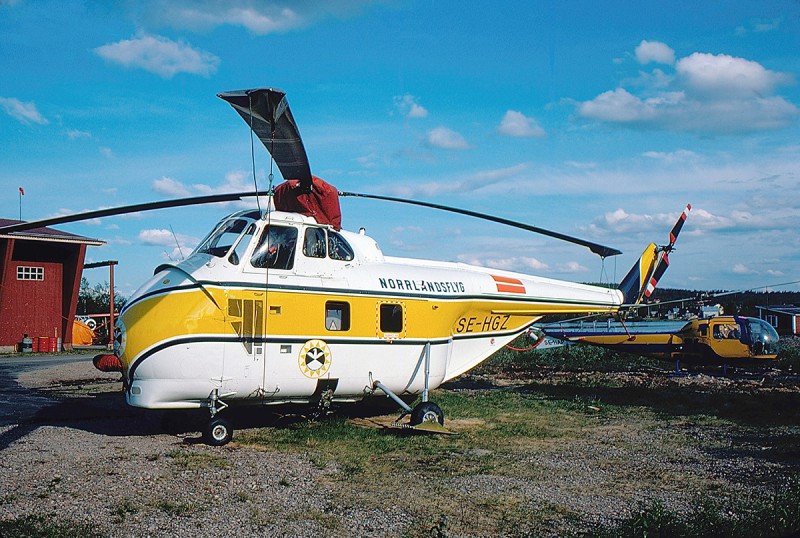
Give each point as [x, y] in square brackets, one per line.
[657, 274]
[673, 235]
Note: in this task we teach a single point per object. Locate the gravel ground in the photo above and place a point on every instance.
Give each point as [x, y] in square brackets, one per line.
[92, 459]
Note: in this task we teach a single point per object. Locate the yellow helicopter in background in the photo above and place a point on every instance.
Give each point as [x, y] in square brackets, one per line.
[722, 340]
[280, 305]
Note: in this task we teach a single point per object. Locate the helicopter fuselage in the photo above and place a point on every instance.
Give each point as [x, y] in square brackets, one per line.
[275, 308]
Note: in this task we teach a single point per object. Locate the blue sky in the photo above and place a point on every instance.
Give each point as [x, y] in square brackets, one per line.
[596, 119]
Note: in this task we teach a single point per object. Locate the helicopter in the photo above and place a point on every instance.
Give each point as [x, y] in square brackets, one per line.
[280, 305]
[715, 341]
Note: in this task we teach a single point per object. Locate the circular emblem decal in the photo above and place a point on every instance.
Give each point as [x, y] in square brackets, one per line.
[314, 359]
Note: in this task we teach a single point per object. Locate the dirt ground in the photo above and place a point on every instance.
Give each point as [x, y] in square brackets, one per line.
[85, 457]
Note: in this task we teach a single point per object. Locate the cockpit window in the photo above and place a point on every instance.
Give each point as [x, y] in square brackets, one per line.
[727, 331]
[275, 248]
[338, 249]
[222, 238]
[335, 247]
[238, 250]
[763, 337]
[314, 243]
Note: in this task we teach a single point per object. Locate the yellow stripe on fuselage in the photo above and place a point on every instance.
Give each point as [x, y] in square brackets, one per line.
[191, 313]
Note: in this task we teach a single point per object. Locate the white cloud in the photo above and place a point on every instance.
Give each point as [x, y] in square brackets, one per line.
[654, 51]
[181, 245]
[720, 74]
[760, 26]
[620, 221]
[408, 106]
[444, 138]
[571, 267]
[767, 26]
[617, 106]
[517, 124]
[257, 17]
[170, 187]
[236, 181]
[156, 237]
[718, 94]
[20, 111]
[160, 55]
[512, 263]
[675, 111]
[472, 182]
[742, 269]
[108, 153]
[677, 156]
[74, 134]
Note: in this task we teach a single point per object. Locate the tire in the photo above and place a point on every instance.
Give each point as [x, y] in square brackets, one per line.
[427, 412]
[218, 432]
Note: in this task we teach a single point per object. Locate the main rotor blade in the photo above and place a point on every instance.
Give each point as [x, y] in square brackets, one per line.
[267, 112]
[135, 208]
[600, 250]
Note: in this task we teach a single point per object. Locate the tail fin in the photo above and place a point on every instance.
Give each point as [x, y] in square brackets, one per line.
[641, 280]
[634, 285]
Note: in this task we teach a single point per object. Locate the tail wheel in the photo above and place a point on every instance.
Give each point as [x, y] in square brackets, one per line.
[218, 432]
[427, 412]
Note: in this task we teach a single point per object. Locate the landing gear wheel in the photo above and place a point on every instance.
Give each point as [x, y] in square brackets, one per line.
[427, 412]
[218, 432]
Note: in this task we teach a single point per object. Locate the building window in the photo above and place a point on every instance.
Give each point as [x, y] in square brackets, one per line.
[337, 316]
[772, 319]
[30, 273]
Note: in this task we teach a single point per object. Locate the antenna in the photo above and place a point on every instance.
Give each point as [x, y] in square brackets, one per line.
[176, 242]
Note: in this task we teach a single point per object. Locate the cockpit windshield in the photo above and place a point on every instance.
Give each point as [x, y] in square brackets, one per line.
[222, 238]
[763, 337]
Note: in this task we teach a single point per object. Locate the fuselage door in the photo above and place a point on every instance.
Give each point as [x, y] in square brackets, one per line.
[243, 369]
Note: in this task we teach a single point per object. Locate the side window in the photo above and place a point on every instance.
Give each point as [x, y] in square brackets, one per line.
[238, 251]
[338, 249]
[314, 243]
[704, 329]
[275, 248]
[337, 316]
[726, 331]
[391, 318]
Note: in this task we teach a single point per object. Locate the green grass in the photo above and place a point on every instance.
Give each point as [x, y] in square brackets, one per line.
[195, 460]
[179, 509]
[777, 514]
[575, 358]
[47, 526]
[496, 431]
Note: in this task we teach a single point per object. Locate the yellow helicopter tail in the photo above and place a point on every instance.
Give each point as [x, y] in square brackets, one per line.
[641, 280]
[635, 283]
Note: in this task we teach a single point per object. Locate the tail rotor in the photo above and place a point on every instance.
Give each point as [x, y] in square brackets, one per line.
[642, 279]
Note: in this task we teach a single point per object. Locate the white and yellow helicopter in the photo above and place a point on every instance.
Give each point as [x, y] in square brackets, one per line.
[282, 306]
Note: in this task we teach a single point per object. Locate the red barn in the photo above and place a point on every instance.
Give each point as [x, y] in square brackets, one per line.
[40, 277]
